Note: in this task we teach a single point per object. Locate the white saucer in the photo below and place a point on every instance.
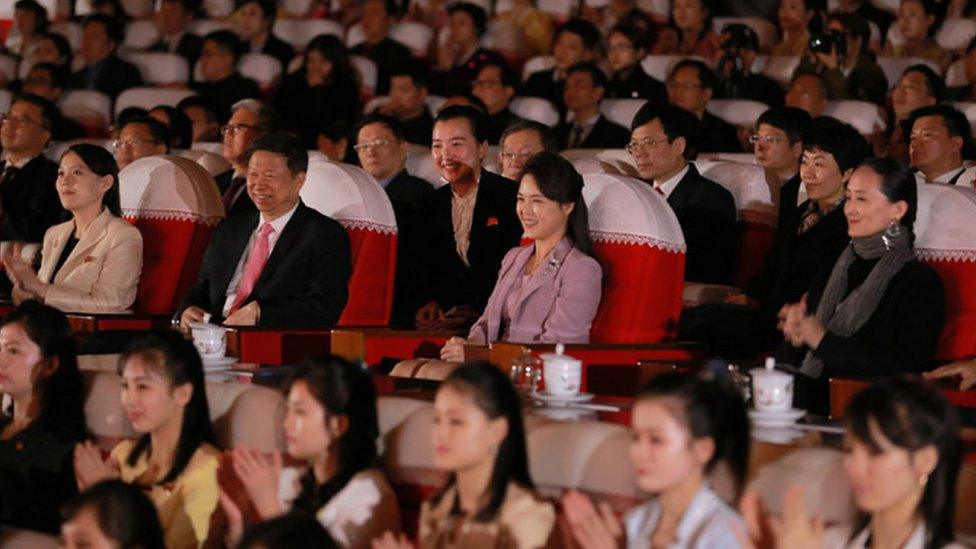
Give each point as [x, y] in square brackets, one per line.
[776, 435]
[562, 399]
[775, 418]
[562, 413]
[218, 363]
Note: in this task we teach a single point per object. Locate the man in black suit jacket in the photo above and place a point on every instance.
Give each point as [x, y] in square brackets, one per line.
[285, 265]
[251, 120]
[104, 70]
[471, 223]
[691, 86]
[576, 40]
[221, 85]
[584, 89]
[378, 16]
[172, 19]
[778, 144]
[495, 86]
[662, 143]
[255, 22]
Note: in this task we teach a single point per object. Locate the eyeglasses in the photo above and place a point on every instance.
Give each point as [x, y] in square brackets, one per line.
[621, 47]
[485, 83]
[682, 85]
[232, 129]
[130, 143]
[512, 155]
[644, 144]
[375, 144]
[18, 120]
[765, 139]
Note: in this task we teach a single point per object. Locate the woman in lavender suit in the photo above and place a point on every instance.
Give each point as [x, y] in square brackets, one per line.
[548, 291]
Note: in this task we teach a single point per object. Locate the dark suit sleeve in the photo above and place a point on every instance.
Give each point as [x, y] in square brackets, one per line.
[328, 291]
[44, 207]
[710, 231]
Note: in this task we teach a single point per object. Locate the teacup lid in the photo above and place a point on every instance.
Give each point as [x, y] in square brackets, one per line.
[558, 356]
[769, 371]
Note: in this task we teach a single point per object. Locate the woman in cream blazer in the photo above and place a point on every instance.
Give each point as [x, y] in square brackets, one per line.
[549, 291]
[92, 263]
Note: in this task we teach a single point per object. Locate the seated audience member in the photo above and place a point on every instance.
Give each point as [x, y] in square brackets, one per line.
[489, 500]
[662, 142]
[740, 47]
[881, 311]
[918, 20]
[382, 150]
[901, 455]
[808, 242]
[698, 424]
[626, 47]
[303, 255]
[44, 420]
[205, 125]
[332, 429]
[111, 514]
[919, 86]
[377, 19]
[536, 25]
[940, 139]
[881, 17]
[140, 137]
[461, 56]
[495, 86]
[333, 142]
[808, 91]
[691, 86]
[255, 20]
[324, 90]
[50, 47]
[30, 20]
[848, 67]
[797, 19]
[172, 19]
[471, 223]
[408, 101]
[559, 265]
[103, 69]
[586, 127]
[110, 8]
[520, 142]
[221, 86]
[49, 81]
[618, 12]
[778, 146]
[90, 264]
[576, 41]
[967, 91]
[26, 176]
[178, 123]
[175, 459]
[689, 32]
[250, 120]
[287, 531]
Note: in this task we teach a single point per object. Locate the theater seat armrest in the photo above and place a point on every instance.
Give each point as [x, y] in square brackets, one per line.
[695, 293]
[89, 322]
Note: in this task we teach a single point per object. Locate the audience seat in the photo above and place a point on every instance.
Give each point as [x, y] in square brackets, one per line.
[148, 98]
[955, 75]
[535, 108]
[8, 68]
[91, 109]
[70, 30]
[414, 35]
[621, 111]
[420, 164]
[536, 64]
[296, 8]
[864, 116]
[139, 35]
[203, 27]
[138, 9]
[894, 66]
[738, 112]
[659, 66]
[350, 196]
[6, 98]
[946, 240]
[260, 67]
[660, 10]
[367, 70]
[218, 9]
[159, 68]
[968, 109]
[299, 32]
[215, 147]
[508, 39]
[214, 163]
[764, 28]
[778, 67]
[955, 33]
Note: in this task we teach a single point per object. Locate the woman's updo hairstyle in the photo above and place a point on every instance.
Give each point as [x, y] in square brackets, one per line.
[897, 184]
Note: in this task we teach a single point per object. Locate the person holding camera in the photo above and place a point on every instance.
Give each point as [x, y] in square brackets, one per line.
[740, 46]
[842, 59]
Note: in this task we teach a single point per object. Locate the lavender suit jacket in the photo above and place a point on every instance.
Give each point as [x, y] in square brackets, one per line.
[558, 301]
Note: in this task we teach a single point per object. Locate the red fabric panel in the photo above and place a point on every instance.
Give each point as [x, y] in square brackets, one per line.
[171, 255]
[755, 241]
[641, 299]
[277, 347]
[371, 283]
[959, 334]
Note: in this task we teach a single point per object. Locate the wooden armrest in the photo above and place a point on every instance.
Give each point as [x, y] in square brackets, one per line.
[842, 390]
[695, 293]
[98, 322]
[373, 345]
[477, 353]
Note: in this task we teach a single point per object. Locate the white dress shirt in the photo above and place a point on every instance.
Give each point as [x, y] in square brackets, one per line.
[667, 186]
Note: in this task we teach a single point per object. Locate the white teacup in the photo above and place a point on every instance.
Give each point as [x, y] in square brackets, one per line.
[772, 390]
[210, 340]
[562, 374]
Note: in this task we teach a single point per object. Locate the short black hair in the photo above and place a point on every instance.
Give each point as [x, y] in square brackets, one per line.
[586, 30]
[392, 123]
[792, 120]
[934, 82]
[390, 7]
[706, 76]
[635, 34]
[59, 79]
[476, 120]
[545, 133]
[839, 139]
[201, 102]
[283, 144]
[123, 512]
[955, 122]
[744, 35]
[60, 43]
[113, 28]
[675, 121]
[417, 70]
[268, 7]
[335, 130]
[157, 130]
[50, 115]
[127, 113]
[189, 6]
[226, 41]
[506, 74]
[39, 11]
[180, 126]
[294, 529]
[477, 15]
[854, 24]
[598, 77]
[470, 98]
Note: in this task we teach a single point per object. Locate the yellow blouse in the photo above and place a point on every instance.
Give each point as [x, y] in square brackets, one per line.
[524, 521]
[536, 25]
[184, 506]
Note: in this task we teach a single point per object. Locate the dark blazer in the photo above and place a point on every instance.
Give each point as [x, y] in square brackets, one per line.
[717, 135]
[634, 83]
[788, 194]
[279, 49]
[388, 54]
[188, 47]
[541, 84]
[495, 229]
[242, 204]
[706, 212]
[306, 110]
[304, 283]
[222, 95]
[458, 78]
[604, 135]
[498, 123]
[419, 130]
[29, 203]
[110, 76]
[408, 194]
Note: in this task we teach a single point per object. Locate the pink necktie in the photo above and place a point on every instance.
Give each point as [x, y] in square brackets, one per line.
[252, 269]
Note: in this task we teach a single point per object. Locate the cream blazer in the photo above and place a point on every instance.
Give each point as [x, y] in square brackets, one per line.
[102, 272]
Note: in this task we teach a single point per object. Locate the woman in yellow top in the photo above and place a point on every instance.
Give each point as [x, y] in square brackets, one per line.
[90, 264]
[175, 459]
[536, 25]
[489, 501]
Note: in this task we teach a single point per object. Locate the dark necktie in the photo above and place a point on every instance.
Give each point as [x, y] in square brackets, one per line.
[576, 139]
[8, 173]
[236, 184]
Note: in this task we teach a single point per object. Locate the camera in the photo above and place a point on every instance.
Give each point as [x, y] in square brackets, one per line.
[829, 41]
[739, 37]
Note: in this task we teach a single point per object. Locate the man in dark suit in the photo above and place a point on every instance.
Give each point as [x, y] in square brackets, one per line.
[47, 80]
[662, 144]
[285, 265]
[103, 69]
[172, 19]
[382, 151]
[221, 86]
[588, 129]
[255, 22]
[408, 101]
[778, 144]
[378, 16]
[495, 87]
[251, 120]
[576, 40]
[471, 223]
[691, 86]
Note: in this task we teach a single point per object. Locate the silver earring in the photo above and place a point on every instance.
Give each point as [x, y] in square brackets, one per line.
[892, 232]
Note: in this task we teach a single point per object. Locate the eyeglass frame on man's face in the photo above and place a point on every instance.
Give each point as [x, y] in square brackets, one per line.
[766, 139]
[20, 121]
[375, 144]
[236, 127]
[131, 143]
[644, 144]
